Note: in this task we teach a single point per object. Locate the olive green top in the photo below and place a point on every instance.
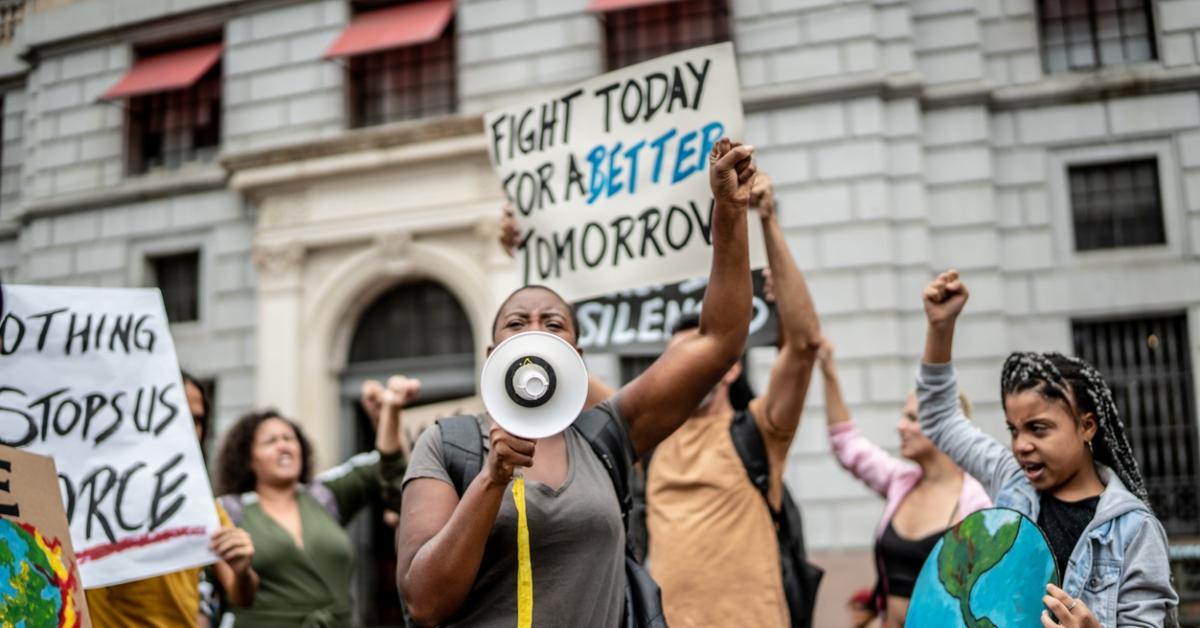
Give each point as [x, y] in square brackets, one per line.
[309, 586]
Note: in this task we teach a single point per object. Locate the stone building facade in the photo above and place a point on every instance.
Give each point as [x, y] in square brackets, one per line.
[1007, 138]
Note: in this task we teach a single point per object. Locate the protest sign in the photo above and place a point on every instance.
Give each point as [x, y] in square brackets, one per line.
[39, 578]
[640, 320]
[89, 376]
[609, 178]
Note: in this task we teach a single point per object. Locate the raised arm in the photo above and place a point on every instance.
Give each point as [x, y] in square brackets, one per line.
[799, 327]
[938, 409]
[662, 398]
[865, 460]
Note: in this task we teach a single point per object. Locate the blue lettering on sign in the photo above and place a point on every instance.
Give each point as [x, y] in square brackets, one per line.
[614, 170]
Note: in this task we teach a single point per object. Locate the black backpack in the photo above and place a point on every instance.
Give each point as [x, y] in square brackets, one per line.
[462, 454]
[800, 577]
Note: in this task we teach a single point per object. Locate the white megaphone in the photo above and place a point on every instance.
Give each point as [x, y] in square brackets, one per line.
[534, 385]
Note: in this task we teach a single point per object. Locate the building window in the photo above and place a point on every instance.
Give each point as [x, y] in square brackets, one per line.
[1147, 362]
[178, 119]
[634, 365]
[420, 319]
[178, 277]
[641, 33]
[1087, 34]
[1116, 205]
[407, 70]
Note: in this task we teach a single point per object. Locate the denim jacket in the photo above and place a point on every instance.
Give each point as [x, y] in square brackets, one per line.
[1119, 567]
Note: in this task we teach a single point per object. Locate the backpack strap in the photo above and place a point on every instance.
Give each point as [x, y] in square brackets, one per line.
[611, 443]
[462, 449]
[326, 498]
[748, 442]
[233, 508]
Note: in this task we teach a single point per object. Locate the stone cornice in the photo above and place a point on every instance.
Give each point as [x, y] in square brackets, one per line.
[357, 140]
[194, 178]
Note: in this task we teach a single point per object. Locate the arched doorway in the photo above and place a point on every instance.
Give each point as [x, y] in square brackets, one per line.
[417, 329]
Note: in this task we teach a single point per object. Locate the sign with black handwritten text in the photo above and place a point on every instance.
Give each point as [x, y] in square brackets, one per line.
[609, 178]
[89, 376]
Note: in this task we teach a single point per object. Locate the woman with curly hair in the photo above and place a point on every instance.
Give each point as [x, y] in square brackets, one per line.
[1070, 468]
[304, 558]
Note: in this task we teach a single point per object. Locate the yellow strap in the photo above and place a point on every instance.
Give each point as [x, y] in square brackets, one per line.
[524, 565]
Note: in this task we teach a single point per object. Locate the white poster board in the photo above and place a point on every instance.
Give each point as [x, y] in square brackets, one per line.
[609, 178]
[89, 377]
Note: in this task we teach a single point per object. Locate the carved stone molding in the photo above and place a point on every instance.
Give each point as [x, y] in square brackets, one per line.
[394, 245]
[283, 211]
[279, 262]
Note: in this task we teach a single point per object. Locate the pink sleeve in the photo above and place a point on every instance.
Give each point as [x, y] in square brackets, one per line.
[973, 498]
[867, 461]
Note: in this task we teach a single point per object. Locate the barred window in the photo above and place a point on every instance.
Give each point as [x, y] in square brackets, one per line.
[1087, 34]
[1147, 363]
[403, 83]
[171, 128]
[634, 365]
[178, 277]
[1116, 205]
[413, 320]
[641, 33]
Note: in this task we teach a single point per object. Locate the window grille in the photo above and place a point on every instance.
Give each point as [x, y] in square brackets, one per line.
[642, 33]
[1116, 205]
[404, 83]
[1147, 363]
[169, 129]
[178, 277]
[1087, 34]
[413, 320]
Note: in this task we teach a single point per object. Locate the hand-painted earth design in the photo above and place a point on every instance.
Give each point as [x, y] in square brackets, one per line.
[989, 570]
[37, 586]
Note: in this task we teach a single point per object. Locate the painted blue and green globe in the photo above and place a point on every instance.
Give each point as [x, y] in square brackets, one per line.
[36, 586]
[991, 569]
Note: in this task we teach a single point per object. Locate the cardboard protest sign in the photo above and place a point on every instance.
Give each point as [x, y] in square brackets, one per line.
[39, 578]
[89, 376]
[609, 178]
[641, 320]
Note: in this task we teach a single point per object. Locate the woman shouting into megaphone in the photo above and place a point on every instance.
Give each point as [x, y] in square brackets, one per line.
[458, 548]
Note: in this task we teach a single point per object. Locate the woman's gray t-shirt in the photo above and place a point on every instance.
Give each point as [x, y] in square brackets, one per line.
[576, 540]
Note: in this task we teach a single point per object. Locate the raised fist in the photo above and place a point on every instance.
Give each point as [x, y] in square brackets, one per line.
[944, 298]
[731, 170]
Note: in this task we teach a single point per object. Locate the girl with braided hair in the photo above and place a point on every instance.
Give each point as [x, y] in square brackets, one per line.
[1070, 469]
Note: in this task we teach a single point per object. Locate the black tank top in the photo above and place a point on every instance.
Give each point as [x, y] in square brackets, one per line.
[901, 559]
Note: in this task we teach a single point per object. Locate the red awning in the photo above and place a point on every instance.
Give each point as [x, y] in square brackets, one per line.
[393, 27]
[165, 72]
[604, 6]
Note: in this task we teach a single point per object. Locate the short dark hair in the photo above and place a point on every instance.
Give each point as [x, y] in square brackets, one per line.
[740, 391]
[687, 320]
[570, 308]
[234, 475]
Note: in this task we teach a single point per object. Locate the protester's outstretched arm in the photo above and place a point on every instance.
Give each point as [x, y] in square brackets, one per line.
[662, 398]
[867, 461]
[799, 327]
[441, 539]
[836, 410]
[938, 409]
